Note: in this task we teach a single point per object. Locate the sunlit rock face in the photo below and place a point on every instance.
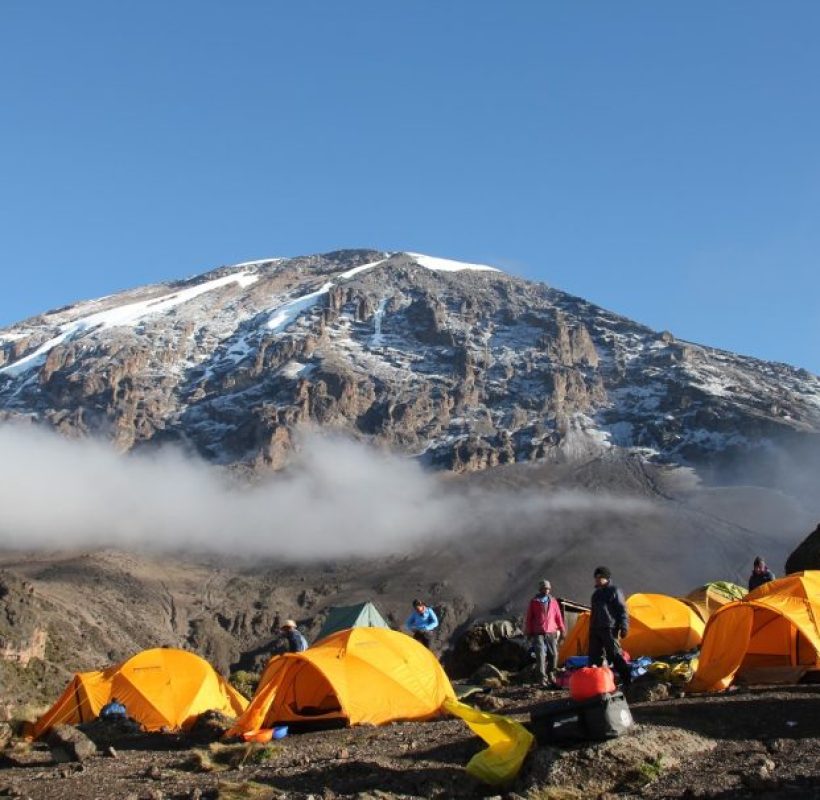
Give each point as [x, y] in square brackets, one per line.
[460, 365]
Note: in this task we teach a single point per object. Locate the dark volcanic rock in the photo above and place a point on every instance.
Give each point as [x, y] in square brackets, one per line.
[807, 554]
[209, 726]
[71, 741]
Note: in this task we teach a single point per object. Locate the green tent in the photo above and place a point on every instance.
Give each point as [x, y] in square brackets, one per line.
[362, 615]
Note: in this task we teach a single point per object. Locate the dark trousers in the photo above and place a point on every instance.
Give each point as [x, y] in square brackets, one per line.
[423, 637]
[604, 642]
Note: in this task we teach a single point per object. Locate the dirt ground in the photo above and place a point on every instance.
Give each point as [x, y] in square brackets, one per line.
[757, 742]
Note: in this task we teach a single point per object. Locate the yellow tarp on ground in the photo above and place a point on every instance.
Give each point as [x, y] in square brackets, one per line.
[776, 626]
[360, 675]
[710, 597]
[160, 688]
[509, 742]
[658, 625]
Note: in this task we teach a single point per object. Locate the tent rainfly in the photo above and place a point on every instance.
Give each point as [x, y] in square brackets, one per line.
[710, 597]
[160, 688]
[658, 625]
[774, 632]
[360, 615]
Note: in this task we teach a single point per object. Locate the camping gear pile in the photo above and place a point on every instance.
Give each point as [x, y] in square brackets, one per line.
[594, 711]
[664, 633]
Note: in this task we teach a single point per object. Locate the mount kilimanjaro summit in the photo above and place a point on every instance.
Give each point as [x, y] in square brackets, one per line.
[579, 437]
[459, 365]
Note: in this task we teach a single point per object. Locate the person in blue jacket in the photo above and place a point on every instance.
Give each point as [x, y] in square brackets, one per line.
[113, 709]
[296, 642]
[421, 622]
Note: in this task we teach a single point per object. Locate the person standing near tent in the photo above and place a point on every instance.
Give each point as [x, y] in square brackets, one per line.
[296, 642]
[421, 622]
[113, 710]
[760, 574]
[543, 627]
[608, 620]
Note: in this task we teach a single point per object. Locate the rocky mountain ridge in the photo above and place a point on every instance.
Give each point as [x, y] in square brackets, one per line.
[460, 365]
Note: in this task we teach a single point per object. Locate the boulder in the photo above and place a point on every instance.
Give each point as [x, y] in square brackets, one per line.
[111, 732]
[71, 741]
[6, 734]
[488, 672]
[209, 726]
[807, 554]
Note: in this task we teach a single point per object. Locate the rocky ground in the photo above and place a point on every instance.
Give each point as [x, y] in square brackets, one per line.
[755, 742]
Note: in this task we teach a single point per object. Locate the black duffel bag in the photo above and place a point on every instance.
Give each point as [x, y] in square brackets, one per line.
[604, 716]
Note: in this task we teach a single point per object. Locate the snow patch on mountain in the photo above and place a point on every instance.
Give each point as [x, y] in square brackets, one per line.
[287, 313]
[125, 315]
[447, 265]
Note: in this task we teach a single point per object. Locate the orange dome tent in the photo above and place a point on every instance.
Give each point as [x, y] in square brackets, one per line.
[160, 688]
[355, 676]
[658, 625]
[798, 584]
[772, 633]
[374, 676]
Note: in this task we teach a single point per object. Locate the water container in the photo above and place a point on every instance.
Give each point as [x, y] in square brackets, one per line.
[589, 682]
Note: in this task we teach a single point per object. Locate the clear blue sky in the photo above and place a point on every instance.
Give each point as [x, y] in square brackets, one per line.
[660, 159]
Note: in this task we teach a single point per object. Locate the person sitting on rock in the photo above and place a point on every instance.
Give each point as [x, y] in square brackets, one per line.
[543, 626]
[760, 574]
[113, 710]
[421, 622]
[608, 620]
[296, 642]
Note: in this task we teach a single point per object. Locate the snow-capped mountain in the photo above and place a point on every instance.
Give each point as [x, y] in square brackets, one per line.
[458, 364]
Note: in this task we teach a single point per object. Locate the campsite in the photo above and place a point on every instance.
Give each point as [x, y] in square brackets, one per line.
[408, 401]
[728, 707]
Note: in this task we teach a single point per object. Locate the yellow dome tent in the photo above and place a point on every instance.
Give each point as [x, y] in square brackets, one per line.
[160, 688]
[710, 597]
[774, 630]
[658, 625]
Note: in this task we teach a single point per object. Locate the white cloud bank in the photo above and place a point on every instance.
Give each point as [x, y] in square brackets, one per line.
[338, 499]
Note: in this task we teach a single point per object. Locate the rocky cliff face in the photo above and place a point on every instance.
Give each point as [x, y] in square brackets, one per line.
[460, 365]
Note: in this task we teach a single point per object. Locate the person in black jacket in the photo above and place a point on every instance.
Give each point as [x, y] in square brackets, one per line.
[607, 621]
[760, 574]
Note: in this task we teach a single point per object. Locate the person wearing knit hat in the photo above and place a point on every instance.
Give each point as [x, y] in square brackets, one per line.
[296, 642]
[608, 620]
[543, 627]
[760, 574]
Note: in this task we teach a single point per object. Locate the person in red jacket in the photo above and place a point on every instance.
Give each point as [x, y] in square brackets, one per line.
[543, 626]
